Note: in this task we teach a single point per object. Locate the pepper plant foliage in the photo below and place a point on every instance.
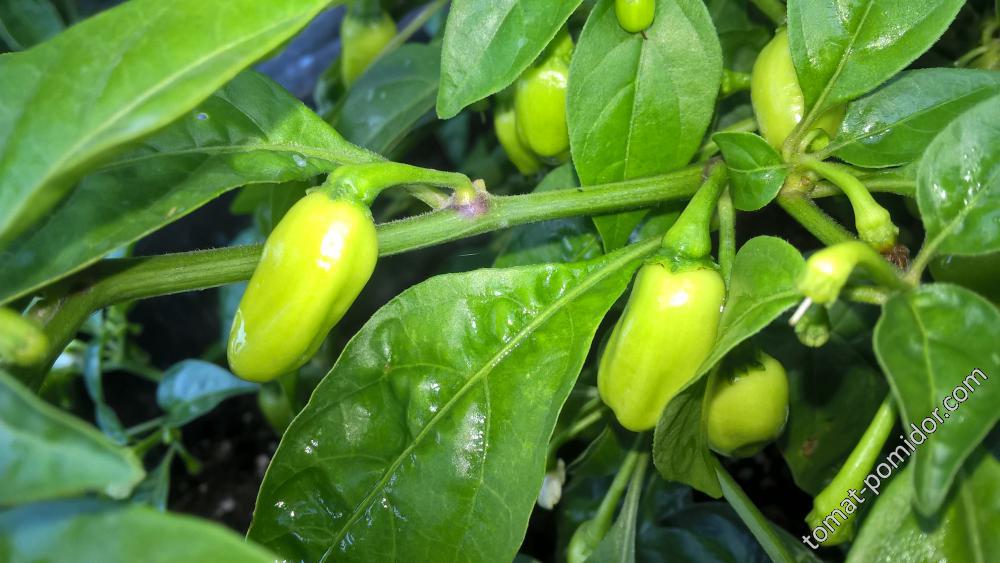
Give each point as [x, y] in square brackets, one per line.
[457, 412]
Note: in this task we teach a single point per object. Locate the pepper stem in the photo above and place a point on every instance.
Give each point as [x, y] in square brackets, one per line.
[873, 221]
[827, 271]
[852, 473]
[690, 237]
[366, 181]
[605, 512]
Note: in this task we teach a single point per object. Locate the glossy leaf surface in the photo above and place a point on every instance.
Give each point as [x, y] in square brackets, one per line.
[438, 411]
[48, 454]
[929, 342]
[640, 106]
[192, 388]
[756, 171]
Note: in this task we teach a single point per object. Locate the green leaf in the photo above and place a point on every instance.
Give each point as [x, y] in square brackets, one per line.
[756, 171]
[929, 342]
[680, 442]
[845, 48]
[192, 388]
[26, 23]
[618, 544]
[49, 454]
[392, 97]
[639, 106]
[488, 43]
[454, 387]
[561, 240]
[966, 529]
[958, 184]
[77, 99]
[95, 530]
[894, 125]
[154, 490]
[252, 131]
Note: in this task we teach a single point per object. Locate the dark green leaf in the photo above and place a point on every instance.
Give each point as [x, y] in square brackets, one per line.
[49, 454]
[756, 171]
[929, 341]
[639, 106]
[843, 49]
[252, 131]
[488, 43]
[958, 184]
[391, 98]
[93, 377]
[192, 388]
[94, 530]
[561, 240]
[740, 37]
[680, 442]
[894, 125]
[25, 23]
[439, 411]
[967, 528]
[155, 488]
[72, 102]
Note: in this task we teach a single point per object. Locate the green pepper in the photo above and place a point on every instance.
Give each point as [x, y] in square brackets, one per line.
[747, 407]
[314, 265]
[540, 101]
[635, 15]
[22, 342]
[777, 98]
[505, 124]
[364, 33]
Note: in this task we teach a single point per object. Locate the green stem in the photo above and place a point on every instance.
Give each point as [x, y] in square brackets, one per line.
[727, 235]
[733, 82]
[759, 526]
[411, 28]
[851, 475]
[873, 222]
[606, 511]
[814, 219]
[144, 426]
[827, 270]
[690, 237]
[582, 424]
[366, 181]
[117, 280]
[866, 294]
[889, 181]
[773, 9]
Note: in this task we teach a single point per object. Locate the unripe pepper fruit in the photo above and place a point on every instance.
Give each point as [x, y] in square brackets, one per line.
[747, 407]
[314, 265]
[777, 97]
[666, 332]
[540, 101]
[362, 37]
[635, 15]
[505, 125]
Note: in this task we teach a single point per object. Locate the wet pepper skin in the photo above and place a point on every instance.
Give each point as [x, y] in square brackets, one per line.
[313, 267]
[666, 332]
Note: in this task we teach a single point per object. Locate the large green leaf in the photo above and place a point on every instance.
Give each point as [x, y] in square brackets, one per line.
[967, 528]
[560, 240]
[958, 184]
[488, 43]
[894, 125]
[391, 98]
[95, 530]
[252, 131]
[50, 454]
[192, 388]
[71, 102]
[639, 105]
[930, 341]
[845, 48]
[756, 171]
[25, 23]
[439, 413]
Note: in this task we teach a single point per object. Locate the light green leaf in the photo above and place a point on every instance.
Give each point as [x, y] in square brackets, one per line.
[71, 102]
[639, 106]
[439, 411]
[94, 530]
[25, 23]
[488, 43]
[845, 48]
[392, 97]
[192, 388]
[756, 171]
[894, 125]
[252, 131]
[929, 341]
[958, 184]
[50, 454]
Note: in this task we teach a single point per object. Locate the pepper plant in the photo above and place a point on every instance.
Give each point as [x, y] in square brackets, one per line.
[555, 280]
